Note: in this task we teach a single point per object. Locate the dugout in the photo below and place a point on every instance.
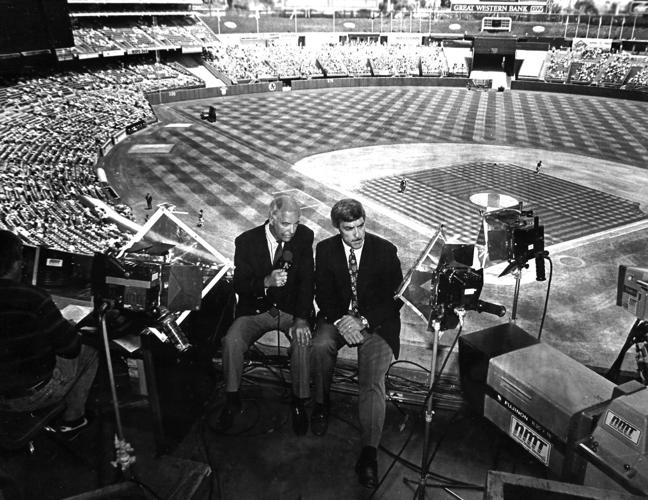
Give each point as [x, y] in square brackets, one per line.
[494, 54]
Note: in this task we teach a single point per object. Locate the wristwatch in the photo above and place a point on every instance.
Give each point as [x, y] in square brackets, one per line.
[365, 323]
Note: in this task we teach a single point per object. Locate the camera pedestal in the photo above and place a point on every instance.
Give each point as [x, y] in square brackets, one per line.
[123, 457]
[422, 482]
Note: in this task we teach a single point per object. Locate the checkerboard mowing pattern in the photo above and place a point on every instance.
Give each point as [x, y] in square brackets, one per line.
[232, 166]
[441, 196]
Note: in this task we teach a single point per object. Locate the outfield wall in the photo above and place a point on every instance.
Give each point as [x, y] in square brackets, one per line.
[566, 88]
[328, 83]
[168, 96]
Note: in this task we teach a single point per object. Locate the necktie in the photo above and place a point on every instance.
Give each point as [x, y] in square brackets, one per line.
[353, 274]
[278, 253]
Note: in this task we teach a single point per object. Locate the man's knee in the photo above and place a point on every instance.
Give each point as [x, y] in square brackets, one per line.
[323, 346]
[232, 342]
[373, 381]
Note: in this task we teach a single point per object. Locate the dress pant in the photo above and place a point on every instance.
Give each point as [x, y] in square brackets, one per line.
[71, 380]
[248, 329]
[374, 357]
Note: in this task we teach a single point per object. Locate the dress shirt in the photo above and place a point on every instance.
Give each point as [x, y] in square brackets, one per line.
[272, 241]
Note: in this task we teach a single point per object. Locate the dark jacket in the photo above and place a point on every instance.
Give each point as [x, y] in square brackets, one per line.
[379, 276]
[32, 333]
[252, 263]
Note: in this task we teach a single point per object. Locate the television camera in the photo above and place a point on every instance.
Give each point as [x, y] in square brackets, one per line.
[456, 287]
[632, 295]
[515, 235]
[153, 291]
[632, 290]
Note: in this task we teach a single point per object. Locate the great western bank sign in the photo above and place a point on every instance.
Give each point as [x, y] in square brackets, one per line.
[501, 7]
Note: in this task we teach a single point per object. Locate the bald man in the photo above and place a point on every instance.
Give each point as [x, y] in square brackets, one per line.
[273, 277]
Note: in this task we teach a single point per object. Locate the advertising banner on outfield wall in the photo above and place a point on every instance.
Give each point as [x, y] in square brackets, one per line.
[592, 43]
[165, 96]
[498, 7]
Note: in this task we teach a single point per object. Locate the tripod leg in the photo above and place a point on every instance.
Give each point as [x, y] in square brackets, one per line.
[429, 412]
[516, 294]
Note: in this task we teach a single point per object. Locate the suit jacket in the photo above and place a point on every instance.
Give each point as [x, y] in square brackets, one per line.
[379, 276]
[252, 262]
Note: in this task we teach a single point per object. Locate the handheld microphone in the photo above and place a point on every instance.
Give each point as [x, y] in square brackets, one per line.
[286, 260]
[538, 250]
[490, 308]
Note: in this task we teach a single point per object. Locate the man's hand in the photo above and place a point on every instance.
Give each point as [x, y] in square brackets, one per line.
[350, 328]
[300, 332]
[278, 277]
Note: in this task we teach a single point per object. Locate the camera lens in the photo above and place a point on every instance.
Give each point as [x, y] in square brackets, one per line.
[173, 331]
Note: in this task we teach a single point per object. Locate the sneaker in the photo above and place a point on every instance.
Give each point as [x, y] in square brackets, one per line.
[68, 428]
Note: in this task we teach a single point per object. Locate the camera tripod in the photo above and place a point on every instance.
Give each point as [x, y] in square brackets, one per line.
[124, 456]
[422, 482]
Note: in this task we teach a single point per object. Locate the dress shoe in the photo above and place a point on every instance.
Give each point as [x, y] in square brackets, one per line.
[69, 429]
[319, 419]
[367, 471]
[299, 419]
[227, 416]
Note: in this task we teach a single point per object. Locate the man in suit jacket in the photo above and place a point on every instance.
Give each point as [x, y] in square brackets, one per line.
[356, 276]
[273, 277]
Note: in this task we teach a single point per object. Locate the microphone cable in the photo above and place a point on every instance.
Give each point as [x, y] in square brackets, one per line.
[544, 311]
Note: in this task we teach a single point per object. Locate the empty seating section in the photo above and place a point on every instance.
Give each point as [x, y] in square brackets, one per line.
[50, 128]
[532, 62]
[457, 58]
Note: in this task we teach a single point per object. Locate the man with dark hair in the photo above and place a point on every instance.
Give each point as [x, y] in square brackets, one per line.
[356, 276]
[42, 360]
[273, 277]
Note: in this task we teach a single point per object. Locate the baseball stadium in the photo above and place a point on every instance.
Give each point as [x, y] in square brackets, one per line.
[499, 146]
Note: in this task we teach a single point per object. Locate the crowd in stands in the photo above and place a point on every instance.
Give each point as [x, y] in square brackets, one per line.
[242, 64]
[51, 126]
[638, 79]
[557, 64]
[93, 37]
[596, 67]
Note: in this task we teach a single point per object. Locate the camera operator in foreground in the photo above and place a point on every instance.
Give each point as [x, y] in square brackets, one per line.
[273, 277]
[42, 360]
